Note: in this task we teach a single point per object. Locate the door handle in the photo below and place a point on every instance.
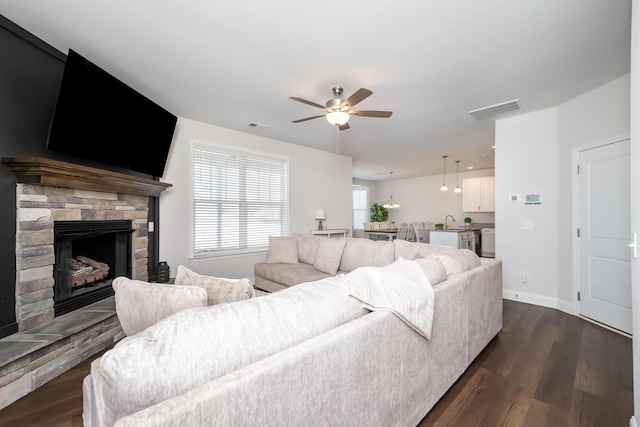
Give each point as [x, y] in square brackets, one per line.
[634, 245]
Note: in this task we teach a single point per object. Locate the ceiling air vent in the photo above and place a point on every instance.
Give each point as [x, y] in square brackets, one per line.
[494, 111]
[256, 125]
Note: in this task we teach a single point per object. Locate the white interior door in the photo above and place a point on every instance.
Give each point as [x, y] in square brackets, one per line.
[604, 259]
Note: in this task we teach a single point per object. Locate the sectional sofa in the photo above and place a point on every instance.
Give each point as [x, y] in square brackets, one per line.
[377, 345]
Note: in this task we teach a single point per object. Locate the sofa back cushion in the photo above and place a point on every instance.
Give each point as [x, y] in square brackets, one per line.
[366, 253]
[409, 250]
[307, 249]
[433, 269]
[457, 262]
[193, 347]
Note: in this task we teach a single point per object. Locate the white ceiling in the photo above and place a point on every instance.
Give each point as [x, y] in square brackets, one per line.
[230, 63]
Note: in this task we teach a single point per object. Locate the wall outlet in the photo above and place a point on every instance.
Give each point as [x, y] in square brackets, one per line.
[525, 277]
[527, 225]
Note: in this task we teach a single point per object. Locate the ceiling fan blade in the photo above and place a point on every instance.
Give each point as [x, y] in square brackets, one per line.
[344, 126]
[308, 118]
[359, 95]
[361, 113]
[304, 101]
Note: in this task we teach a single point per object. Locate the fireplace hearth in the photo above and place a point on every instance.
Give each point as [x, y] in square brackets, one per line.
[89, 255]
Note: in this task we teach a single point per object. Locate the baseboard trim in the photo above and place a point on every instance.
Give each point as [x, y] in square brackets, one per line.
[536, 300]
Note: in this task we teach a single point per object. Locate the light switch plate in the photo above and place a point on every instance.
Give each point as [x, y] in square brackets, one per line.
[514, 197]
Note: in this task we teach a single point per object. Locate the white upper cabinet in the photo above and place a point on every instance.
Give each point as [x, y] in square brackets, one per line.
[478, 194]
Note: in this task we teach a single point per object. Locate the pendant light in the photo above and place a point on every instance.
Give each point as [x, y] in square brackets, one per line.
[457, 190]
[391, 204]
[444, 164]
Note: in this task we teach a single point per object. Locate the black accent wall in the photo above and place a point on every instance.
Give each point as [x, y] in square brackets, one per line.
[30, 75]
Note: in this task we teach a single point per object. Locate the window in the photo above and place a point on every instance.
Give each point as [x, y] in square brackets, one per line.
[239, 200]
[360, 206]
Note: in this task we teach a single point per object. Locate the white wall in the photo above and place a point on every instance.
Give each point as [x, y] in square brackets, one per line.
[534, 153]
[526, 162]
[317, 180]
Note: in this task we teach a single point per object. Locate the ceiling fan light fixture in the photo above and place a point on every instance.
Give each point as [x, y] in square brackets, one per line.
[337, 118]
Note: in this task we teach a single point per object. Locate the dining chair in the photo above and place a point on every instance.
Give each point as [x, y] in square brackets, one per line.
[419, 228]
[402, 231]
[411, 233]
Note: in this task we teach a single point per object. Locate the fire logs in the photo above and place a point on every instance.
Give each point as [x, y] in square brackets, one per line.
[84, 271]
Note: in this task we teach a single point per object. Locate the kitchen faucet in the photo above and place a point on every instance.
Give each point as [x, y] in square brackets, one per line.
[446, 220]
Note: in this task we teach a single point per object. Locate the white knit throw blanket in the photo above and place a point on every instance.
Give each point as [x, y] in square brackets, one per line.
[401, 287]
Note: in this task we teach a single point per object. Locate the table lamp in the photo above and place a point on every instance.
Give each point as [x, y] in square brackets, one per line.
[320, 216]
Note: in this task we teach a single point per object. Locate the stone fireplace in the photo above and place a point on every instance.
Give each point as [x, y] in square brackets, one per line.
[64, 212]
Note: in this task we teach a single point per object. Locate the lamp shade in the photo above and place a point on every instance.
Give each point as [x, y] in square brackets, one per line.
[321, 215]
[338, 118]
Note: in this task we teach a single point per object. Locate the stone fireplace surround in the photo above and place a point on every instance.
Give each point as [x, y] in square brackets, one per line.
[47, 191]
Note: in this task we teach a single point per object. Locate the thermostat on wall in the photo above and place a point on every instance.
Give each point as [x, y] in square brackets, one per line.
[532, 199]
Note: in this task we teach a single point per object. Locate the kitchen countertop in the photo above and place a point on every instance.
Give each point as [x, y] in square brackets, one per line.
[474, 228]
[458, 230]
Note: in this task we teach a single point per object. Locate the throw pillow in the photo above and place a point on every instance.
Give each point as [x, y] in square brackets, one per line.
[329, 255]
[141, 304]
[283, 250]
[218, 289]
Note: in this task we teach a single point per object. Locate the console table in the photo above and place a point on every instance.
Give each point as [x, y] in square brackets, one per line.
[329, 233]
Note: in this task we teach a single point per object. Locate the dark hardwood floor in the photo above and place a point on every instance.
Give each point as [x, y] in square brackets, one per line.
[545, 368]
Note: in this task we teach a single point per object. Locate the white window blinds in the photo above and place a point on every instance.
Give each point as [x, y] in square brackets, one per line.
[360, 206]
[239, 200]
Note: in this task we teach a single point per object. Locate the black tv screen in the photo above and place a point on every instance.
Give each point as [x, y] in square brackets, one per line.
[99, 118]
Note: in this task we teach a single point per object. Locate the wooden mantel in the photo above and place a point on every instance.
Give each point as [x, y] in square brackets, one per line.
[54, 173]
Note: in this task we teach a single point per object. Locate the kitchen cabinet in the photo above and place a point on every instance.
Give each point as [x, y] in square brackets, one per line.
[478, 194]
[455, 239]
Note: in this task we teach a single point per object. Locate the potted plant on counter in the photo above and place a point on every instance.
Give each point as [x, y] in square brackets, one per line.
[439, 226]
[467, 222]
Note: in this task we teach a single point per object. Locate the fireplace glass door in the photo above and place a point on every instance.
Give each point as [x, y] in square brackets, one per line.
[89, 255]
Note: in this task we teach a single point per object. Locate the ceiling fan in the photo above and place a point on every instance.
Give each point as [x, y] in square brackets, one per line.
[339, 110]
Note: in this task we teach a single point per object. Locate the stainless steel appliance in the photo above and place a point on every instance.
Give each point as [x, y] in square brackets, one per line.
[488, 242]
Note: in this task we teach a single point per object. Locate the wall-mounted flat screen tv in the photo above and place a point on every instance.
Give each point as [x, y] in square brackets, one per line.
[99, 118]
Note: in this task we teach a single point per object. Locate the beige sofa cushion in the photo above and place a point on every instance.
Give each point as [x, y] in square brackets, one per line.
[191, 348]
[307, 249]
[457, 262]
[141, 304]
[328, 255]
[218, 289]
[366, 253]
[288, 274]
[283, 249]
[409, 250]
[433, 269]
